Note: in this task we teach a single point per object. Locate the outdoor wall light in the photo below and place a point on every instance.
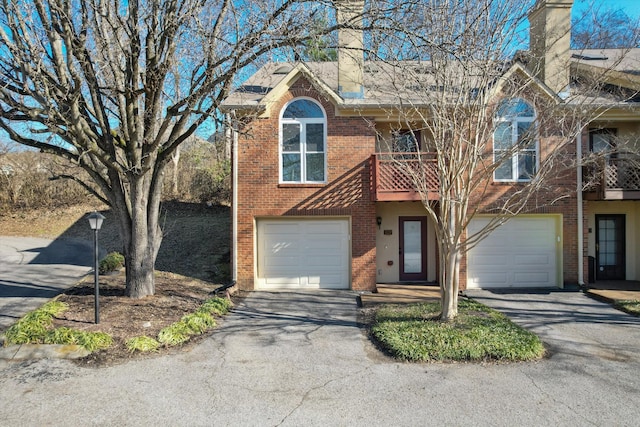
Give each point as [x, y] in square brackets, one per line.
[379, 221]
[95, 222]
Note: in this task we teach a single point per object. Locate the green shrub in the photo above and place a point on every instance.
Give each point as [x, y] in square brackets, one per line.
[174, 334]
[112, 262]
[93, 341]
[33, 327]
[61, 335]
[216, 305]
[198, 322]
[143, 344]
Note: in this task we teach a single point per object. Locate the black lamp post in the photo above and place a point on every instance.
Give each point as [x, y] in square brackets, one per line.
[95, 222]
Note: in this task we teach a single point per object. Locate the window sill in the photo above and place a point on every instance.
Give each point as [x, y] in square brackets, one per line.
[301, 185]
[510, 182]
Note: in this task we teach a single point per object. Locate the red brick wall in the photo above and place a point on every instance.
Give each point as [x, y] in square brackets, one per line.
[350, 143]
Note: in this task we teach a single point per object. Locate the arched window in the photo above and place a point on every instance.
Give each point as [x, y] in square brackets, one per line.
[515, 146]
[303, 130]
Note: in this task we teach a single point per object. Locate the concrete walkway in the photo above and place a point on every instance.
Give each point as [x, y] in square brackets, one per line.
[33, 270]
[303, 359]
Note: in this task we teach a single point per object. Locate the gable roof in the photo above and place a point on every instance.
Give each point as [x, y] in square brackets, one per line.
[387, 83]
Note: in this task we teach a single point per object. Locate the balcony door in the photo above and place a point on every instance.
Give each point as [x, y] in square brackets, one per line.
[413, 248]
[610, 247]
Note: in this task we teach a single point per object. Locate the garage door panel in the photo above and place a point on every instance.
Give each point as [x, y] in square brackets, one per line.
[322, 261]
[282, 281]
[499, 278]
[520, 253]
[531, 278]
[541, 260]
[329, 227]
[490, 260]
[303, 253]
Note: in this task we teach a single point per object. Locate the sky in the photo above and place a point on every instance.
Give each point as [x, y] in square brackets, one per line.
[630, 7]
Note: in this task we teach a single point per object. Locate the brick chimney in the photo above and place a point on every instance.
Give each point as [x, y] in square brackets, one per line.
[549, 42]
[350, 48]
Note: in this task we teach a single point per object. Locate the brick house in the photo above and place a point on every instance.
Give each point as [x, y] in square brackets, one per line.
[317, 202]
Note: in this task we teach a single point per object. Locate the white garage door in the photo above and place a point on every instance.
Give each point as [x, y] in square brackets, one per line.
[521, 253]
[303, 253]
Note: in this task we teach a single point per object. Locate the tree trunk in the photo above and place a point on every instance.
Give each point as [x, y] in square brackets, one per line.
[140, 256]
[450, 287]
[139, 268]
[141, 236]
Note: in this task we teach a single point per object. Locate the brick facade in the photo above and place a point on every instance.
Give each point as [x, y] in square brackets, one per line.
[350, 143]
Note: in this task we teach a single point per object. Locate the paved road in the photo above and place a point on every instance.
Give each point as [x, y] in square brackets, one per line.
[34, 270]
[302, 359]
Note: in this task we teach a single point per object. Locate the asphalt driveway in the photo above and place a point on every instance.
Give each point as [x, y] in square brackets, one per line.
[302, 358]
[34, 270]
[570, 323]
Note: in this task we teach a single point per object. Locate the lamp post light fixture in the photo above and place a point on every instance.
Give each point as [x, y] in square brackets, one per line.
[95, 222]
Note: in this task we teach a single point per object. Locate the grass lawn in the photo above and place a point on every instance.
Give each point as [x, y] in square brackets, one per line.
[414, 333]
[629, 306]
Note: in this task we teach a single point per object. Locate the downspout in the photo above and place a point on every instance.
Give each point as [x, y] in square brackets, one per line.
[580, 208]
[231, 133]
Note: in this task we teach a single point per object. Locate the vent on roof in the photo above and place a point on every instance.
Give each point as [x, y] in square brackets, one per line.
[283, 69]
[590, 56]
[253, 89]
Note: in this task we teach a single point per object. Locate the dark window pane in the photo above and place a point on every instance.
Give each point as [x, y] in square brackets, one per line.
[526, 165]
[315, 167]
[504, 171]
[601, 142]
[502, 138]
[405, 143]
[525, 135]
[290, 137]
[315, 137]
[303, 109]
[291, 167]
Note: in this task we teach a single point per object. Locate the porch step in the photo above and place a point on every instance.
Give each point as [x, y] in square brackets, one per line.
[400, 294]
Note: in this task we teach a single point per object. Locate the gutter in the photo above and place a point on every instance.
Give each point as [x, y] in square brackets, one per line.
[580, 208]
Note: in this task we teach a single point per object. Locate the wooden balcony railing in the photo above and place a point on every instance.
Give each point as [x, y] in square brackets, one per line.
[613, 179]
[397, 176]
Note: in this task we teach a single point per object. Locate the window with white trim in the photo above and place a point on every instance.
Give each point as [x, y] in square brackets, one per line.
[515, 146]
[303, 153]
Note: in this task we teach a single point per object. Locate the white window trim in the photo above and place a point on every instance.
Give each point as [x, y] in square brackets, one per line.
[303, 138]
[514, 155]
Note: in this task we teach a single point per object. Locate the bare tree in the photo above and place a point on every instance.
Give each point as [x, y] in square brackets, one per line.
[604, 27]
[116, 86]
[462, 87]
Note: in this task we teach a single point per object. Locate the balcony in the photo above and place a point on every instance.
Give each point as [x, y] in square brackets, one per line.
[394, 176]
[613, 179]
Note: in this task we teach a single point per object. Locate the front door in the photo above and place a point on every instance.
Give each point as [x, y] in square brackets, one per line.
[413, 248]
[610, 244]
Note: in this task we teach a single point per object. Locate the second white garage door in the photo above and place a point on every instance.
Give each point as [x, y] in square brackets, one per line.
[303, 253]
[524, 252]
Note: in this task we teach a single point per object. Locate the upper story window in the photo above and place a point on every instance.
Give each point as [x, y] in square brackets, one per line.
[406, 141]
[303, 153]
[515, 147]
[603, 141]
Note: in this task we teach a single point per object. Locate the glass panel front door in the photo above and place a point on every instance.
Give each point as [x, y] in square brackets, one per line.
[413, 257]
[412, 247]
[610, 247]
